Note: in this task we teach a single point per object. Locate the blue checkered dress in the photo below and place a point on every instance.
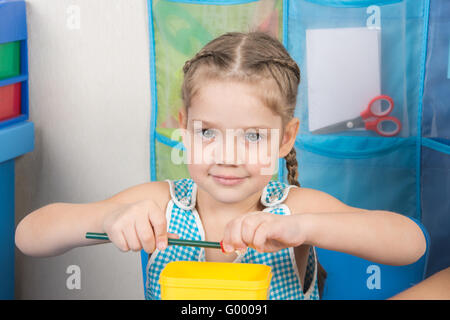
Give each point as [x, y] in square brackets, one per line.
[183, 219]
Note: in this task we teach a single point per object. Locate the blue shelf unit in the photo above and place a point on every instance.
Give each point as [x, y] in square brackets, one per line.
[16, 139]
[13, 27]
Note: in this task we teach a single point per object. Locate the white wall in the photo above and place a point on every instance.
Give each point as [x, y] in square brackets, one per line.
[90, 103]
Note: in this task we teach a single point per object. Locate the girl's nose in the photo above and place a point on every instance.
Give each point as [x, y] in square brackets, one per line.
[231, 152]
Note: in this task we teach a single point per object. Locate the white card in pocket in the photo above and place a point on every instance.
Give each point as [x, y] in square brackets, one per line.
[343, 73]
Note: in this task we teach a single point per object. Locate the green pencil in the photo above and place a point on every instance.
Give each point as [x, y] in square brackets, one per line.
[178, 242]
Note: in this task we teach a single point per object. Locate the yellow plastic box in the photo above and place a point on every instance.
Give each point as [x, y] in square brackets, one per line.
[191, 280]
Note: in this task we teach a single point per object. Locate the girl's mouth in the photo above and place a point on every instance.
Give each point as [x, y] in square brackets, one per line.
[227, 181]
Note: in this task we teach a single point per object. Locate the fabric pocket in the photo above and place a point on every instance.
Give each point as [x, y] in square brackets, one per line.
[177, 30]
[350, 52]
[365, 172]
[436, 102]
[435, 176]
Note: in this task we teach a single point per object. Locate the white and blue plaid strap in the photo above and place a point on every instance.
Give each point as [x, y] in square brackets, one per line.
[182, 192]
[181, 221]
[275, 193]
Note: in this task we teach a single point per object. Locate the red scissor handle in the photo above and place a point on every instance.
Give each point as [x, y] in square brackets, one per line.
[377, 126]
[371, 111]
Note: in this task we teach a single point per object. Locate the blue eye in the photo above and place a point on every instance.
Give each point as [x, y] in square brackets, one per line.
[208, 133]
[253, 136]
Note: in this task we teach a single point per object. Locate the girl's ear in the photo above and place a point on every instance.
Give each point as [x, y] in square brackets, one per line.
[288, 139]
[182, 118]
[182, 123]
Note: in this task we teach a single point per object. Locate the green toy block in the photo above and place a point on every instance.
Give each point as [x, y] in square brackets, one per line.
[9, 59]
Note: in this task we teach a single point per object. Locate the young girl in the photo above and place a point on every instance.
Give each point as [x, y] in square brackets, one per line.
[245, 83]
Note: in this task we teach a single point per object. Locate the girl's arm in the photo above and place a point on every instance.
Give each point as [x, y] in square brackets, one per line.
[379, 236]
[59, 227]
[433, 288]
[376, 235]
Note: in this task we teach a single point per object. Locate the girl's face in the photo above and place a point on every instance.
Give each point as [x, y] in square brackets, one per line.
[233, 141]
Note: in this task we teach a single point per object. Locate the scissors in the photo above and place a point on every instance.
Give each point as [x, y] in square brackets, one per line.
[384, 125]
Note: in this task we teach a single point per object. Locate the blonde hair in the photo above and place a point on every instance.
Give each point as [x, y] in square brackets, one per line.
[255, 58]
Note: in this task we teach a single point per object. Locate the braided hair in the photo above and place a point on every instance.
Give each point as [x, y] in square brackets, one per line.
[253, 57]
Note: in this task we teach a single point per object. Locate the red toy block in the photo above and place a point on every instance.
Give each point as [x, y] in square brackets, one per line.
[10, 101]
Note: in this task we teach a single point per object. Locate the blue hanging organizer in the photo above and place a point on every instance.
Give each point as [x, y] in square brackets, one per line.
[435, 141]
[396, 48]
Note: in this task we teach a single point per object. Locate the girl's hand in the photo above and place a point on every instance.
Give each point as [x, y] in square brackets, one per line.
[136, 226]
[263, 231]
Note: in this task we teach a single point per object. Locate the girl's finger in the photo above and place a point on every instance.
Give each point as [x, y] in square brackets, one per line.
[236, 234]
[119, 241]
[227, 239]
[131, 237]
[260, 237]
[145, 233]
[159, 225]
[249, 226]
